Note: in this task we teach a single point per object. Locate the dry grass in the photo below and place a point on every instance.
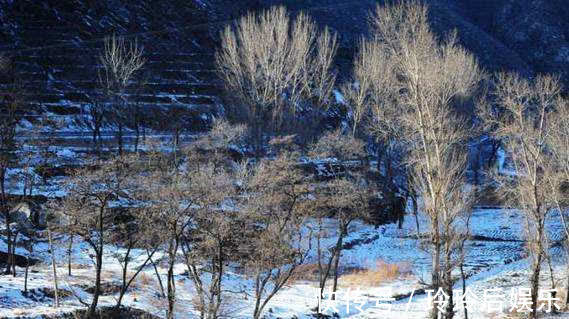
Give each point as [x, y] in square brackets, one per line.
[496, 315]
[108, 275]
[143, 280]
[306, 272]
[382, 273]
[20, 312]
[79, 266]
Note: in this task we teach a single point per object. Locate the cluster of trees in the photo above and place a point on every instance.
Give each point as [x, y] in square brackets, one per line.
[409, 93]
[406, 102]
[198, 208]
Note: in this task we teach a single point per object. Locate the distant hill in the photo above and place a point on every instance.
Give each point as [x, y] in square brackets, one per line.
[54, 43]
[525, 36]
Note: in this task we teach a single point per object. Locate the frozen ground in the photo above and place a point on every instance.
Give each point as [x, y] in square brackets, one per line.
[497, 260]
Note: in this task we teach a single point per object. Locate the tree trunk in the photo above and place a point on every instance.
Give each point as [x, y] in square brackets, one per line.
[448, 289]
[69, 251]
[534, 281]
[7, 220]
[552, 278]
[436, 270]
[137, 129]
[26, 277]
[98, 265]
[337, 262]
[8, 240]
[13, 255]
[416, 214]
[463, 277]
[171, 285]
[567, 292]
[95, 139]
[124, 286]
[55, 284]
[119, 138]
[157, 276]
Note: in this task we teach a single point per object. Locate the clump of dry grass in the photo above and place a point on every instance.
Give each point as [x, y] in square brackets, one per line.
[305, 272]
[382, 273]
[75, 266]
[143, 280]
[20, 312]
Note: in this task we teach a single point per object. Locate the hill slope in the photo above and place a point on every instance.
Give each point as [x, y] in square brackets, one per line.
[54, 44]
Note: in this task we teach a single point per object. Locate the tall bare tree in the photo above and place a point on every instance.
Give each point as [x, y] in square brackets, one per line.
[210, 242]
[136, 235]
[273, 64]
[413, 83]
[11, 114]
[120, 61]
[344, 195]
[559, 180]
[170, 193]
[522, 116]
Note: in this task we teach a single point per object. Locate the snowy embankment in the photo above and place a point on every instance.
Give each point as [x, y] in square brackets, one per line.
[496, 259]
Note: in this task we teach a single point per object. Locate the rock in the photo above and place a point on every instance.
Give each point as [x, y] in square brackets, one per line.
[21, 261]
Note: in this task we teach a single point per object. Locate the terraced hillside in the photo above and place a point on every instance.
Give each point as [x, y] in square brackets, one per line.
[54, 47]
[54, 44]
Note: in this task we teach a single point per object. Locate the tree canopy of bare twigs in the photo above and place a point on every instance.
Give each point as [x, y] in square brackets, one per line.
[407, 80]
[86, 210]
[558, 181]
[522, 114]
[272, 64]
[275, 202]
[120, 61]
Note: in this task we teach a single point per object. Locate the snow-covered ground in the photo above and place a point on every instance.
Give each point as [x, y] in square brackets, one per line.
[496, 261]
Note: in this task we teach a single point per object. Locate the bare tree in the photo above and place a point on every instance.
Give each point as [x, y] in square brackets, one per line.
[273, 64]
[558, 181]
[53, 267]
[11, 114]
[168, 192]
[137, 236]
[345, 196]
[90, 193]
[346, 199]
[210, 242]
[93, 115]
[521, 116]
[413, 83]
[186, 193]
[276, 203]
[137, 114]
[120, 61]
